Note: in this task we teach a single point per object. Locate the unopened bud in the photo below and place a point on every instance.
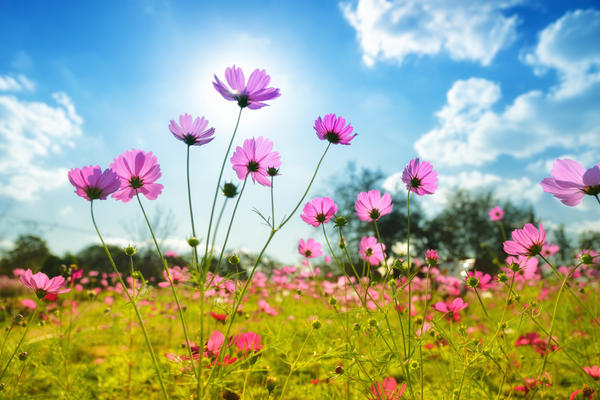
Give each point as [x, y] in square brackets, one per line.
[229, 190]
[234, 260]
[332, 301]
[193, 242]
[316, 324]
[23, 356]
[130, 250]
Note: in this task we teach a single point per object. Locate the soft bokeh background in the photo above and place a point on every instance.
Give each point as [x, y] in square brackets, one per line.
[490, 92]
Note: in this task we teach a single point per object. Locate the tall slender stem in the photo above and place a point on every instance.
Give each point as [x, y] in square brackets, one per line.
[212, 210]
[409, 269]
[272, 206]
[294, 364]
[306, 191]
[231, 224]
[253, 270]
[133, 303]
[173, 291]
[29, 322]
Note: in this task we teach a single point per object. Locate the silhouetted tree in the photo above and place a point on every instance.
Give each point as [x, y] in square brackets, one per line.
[29, 251]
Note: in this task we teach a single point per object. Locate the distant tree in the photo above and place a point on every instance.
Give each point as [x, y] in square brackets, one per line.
[463, 228]
[566, 252]
[589, 240]
[29, 251]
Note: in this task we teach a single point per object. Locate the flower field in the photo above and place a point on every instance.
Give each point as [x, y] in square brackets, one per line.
[364, 321]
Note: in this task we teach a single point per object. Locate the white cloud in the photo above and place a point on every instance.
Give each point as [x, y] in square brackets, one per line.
[470, 132]
[515, 189]
[15, 84]
[30, 132]
[463, 29]
[571, 46]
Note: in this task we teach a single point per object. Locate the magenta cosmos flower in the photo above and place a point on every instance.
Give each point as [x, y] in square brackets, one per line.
[252, 94]
[256, 158]
[431, 257]
[570, 181]
[420, 177]
[370, 250]
[192, 131]
[387, 390]
[371, 205]
[92, 184]
[310, 248]
[478, 280]
[455, 306]
[138, 172]
[528, 241]
[334, 129]
[319, 211]
[496, 213]
[42, 284]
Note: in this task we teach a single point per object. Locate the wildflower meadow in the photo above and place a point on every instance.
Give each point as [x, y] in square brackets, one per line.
[359, 199]
[376, 326]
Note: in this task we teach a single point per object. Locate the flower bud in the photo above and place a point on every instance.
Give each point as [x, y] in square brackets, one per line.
[130, 250]
[339, 369]
[234, 260]
[316, 324]
[332, 301]
[229, 190]
[514, 267]
[340, 221]
[193, 242]
[586, 258]
[372, 323]
[271, 383]
[272, 171]
[23, 356]
[502, 277]
[342, 243]
[356, 327]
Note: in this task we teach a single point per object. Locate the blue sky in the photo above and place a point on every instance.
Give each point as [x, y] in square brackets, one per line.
[489, 92]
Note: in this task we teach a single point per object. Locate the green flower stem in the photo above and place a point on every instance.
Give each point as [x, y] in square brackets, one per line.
[407, 354]
[272, 206]
[423, 327]
[231, 223]
[173, 291]
[294, 364]
[240, 298]
[481, 303]
[285, 221]
[577, 299]
[12, 356]
[547, 352]
[206, 264]
[502, 230]
[189, 190]
[133, 304]
[217, 225]
[409, 269]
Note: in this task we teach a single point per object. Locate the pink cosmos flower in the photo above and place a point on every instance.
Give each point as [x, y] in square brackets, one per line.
[371, 205]
[319, 211]
[420, 177]
[248, 342]
[593, 371]
[334, 129]
[456, 305]
[496, 213]
[550, 249]
[255, 158]
[42, 284]
[92, 184]
[478, 280]
[387, 390]
[310, 248]
[370, 250]
[178, 275]
[138, 172]
[215, 341]
[570, 181]
[528, 268]
[251, 94]
[528, 241]
[431, 256]
[192, 131]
